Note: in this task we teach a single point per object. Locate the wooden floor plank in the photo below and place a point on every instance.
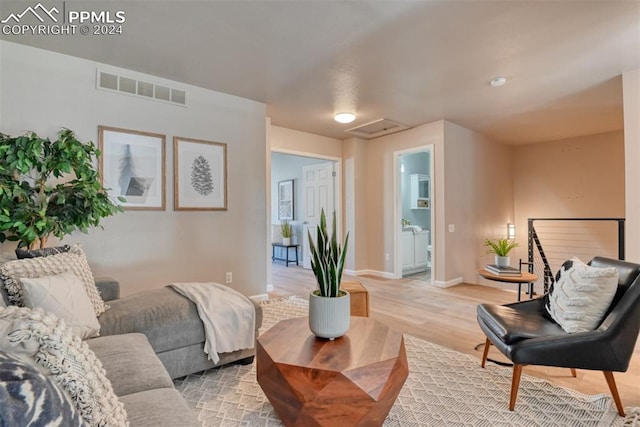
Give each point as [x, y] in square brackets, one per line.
[448, 317]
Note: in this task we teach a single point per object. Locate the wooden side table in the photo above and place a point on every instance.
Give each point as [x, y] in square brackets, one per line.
[524, 277]
[350, 381]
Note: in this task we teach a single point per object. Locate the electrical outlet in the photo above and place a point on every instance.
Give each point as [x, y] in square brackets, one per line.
[228, 278]
[387, 257]
[452, 228]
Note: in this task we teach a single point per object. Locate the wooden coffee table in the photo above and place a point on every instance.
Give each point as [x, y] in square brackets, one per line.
[350, 381]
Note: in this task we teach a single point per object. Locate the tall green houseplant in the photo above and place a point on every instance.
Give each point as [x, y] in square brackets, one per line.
[49, 188]
[327, 258]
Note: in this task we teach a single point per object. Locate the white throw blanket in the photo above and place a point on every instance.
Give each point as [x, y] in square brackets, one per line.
[229, 317]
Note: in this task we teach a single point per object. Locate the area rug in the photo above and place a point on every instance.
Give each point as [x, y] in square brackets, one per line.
[444, 388]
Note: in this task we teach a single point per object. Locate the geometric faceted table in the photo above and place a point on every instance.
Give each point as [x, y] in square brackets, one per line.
[350, 381]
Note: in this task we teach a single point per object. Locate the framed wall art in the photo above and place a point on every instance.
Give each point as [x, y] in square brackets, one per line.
[285, 200]
[200, 174]
[132, 165]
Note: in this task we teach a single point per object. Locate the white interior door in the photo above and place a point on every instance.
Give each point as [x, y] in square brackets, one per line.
[318, 183]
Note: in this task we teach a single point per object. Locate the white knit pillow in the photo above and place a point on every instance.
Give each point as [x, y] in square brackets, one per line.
[75, 261]
[63, 295]
[581, 295]
[34, 334]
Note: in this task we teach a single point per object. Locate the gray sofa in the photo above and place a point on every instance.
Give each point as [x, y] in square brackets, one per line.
[171, 324]
[141, 382]
[147, 340]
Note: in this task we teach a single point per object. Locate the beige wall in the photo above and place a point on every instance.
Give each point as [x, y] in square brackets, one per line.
[304, 143]
[354, 202]
[478, 198]
[43, 91]
[631, 94]
[573, 178]
[379, 202]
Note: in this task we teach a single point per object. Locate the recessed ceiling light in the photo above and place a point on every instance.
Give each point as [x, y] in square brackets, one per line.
[344, 117]
[498, 81]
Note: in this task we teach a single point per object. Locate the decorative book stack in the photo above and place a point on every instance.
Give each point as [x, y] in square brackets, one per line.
[503, 271]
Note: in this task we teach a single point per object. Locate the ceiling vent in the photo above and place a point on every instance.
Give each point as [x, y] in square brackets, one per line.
[376, 128]
[143, 89]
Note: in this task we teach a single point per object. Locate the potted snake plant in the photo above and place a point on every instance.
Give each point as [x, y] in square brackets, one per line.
[329, 306]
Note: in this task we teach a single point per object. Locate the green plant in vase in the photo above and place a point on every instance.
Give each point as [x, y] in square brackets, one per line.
[287, 231]
[500, 248]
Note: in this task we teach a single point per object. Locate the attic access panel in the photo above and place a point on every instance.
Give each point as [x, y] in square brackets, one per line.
[376, 128]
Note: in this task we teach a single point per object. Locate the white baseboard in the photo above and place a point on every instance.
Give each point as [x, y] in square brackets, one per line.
[375, 273]
[448, 283]
[261, 297]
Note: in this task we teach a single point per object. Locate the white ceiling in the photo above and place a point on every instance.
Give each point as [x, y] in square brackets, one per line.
[413, 62]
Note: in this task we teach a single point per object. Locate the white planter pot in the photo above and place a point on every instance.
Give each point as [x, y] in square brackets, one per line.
[329, 317]
[286, 241]
[502, 261]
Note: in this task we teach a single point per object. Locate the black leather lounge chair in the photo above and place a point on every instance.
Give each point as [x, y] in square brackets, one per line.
[526, 337]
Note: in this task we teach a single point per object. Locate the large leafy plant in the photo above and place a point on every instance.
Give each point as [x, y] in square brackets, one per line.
[327, 258]
[49, 188]
[501, 246]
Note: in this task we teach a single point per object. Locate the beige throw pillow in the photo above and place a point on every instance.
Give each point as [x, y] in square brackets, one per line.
[40, 338]
[75, 261]
[581, 295]
[63, 295]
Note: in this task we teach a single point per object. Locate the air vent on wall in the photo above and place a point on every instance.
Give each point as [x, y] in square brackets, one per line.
[376, 128]
[144, 89]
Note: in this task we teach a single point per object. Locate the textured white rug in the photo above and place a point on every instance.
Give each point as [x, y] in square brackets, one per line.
[444, 388]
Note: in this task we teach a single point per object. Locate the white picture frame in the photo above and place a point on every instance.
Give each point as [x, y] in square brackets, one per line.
[132, 165]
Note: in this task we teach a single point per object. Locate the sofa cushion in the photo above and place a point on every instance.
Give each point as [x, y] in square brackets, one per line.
[130, 363]
[168, 319]
[44, 340]
[28, 397]
[158, 408]
[63, 295]
[581, 295]
[75, 260]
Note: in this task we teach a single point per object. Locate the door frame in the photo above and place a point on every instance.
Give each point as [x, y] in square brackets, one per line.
[397, 211]
[337, 190]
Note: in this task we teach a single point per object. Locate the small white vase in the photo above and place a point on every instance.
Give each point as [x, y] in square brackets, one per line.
[329, 317]
[286, 241]
[502, 261]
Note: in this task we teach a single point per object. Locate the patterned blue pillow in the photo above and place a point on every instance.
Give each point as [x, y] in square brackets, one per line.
[27, 397]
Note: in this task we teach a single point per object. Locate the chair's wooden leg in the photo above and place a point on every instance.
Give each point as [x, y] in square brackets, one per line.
[573, 372]
[515, 383]
[614, 391]
[487, 344]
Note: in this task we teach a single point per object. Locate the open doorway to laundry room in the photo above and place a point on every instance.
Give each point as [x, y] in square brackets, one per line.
[414, 208]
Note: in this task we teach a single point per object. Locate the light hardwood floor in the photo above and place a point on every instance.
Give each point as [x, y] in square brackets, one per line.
[448, 317]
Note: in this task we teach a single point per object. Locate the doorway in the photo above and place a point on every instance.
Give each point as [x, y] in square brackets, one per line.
[316, 186]
[414, 213]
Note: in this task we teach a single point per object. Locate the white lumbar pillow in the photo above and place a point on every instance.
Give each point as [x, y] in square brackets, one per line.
[65, 296]
[581, 295]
